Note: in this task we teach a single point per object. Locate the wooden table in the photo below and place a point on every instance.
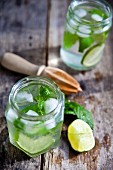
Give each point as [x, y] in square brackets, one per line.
[33, 29]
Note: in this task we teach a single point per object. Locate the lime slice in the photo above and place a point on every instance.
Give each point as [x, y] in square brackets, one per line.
[34, 145]
[80, 136]
[93, 55]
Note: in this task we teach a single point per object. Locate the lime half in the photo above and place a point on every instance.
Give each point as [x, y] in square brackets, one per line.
[93, 55]
[80, 136]
[33, 146]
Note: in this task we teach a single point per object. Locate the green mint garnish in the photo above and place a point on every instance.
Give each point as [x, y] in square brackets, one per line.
[44, 94]
[79, 111]
[18, 124]
[38, 106]
[84, 43]
[69, 40]
[34, 107]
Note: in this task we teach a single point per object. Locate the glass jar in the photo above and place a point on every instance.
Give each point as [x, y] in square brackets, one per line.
[87, 26]
[35, 114]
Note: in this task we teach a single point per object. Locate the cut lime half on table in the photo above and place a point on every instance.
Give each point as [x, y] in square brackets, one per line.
[33, 146]
[80, 136]
[93, 55]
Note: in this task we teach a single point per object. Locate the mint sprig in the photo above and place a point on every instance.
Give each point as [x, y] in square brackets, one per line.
[38, 106]
[69, 40]
[79, 111]
[84, 43]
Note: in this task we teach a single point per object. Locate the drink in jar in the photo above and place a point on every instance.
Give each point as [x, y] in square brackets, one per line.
[34, 115]
[87, 27]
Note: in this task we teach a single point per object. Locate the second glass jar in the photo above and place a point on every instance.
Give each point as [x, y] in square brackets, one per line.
[87, 26]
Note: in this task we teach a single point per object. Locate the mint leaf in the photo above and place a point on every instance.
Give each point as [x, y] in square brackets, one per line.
[18, 124]
[44, 94]
[69, 40]
[36, 107]
[84, 43]
[80, 112]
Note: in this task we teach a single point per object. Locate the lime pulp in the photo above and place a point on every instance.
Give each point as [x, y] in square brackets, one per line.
[93, 55]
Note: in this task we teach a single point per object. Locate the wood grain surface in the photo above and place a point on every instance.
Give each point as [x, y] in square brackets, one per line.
[33, 29]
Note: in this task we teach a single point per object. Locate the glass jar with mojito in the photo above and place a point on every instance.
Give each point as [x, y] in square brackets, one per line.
[87, 26]
[34, 115]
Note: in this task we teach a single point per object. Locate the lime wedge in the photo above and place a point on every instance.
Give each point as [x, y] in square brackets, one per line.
[80, 136]
[33, 146]
[93, 55]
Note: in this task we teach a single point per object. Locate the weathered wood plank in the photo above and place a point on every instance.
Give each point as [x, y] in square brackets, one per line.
[96, 97]
[24, 27]
[23, 31]
[56, 26]
[101, 156]
[57, 20]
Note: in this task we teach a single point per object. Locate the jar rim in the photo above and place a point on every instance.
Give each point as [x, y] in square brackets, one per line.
[26, 80]
[102, 2]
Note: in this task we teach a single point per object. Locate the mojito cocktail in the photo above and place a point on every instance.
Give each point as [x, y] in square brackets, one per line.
[35, 115]
[87, 26]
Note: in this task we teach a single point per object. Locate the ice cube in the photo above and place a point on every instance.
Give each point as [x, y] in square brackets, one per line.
[50, 123]
[70, 29]
[31, 113]
[106, 27]
[96, 17]
[83, 32]
[29, 123]
[50, 104]
[24, 96]
[81, 13]
[73, 23]
[30, 127]
[11, 115]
